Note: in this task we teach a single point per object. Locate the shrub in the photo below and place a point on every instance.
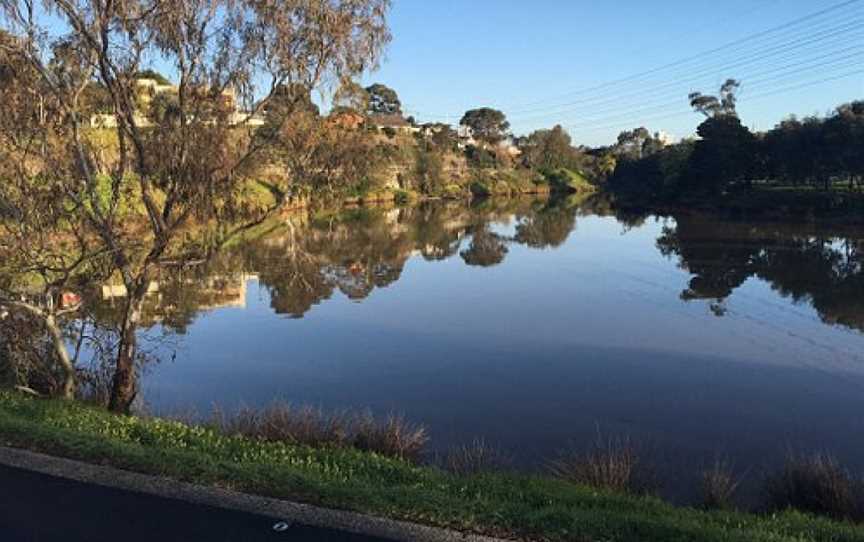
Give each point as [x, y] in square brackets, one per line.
[612, 464]
[565, 180]
[396, 437]
[480, 189]
[454, 191]
[479, 157]
[474, 458]
[719, 485]
[816, 484]
[281, 423]
[402, 197]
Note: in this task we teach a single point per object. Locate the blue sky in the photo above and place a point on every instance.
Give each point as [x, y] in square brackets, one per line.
[533, 59]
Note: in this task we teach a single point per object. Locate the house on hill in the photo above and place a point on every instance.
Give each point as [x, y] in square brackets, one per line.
[148, 89]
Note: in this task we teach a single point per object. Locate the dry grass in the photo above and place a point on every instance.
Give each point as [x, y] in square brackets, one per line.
[611, 463]
[281, 422]
[474, 458]
[719, 486]
[395, 437]
[816, 484]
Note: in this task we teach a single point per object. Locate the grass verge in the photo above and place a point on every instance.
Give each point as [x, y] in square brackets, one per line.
[344, 478]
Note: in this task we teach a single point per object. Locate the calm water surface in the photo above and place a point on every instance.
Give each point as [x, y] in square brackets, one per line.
[534, 324]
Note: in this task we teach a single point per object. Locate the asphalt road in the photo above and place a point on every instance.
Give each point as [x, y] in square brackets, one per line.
[39, 508]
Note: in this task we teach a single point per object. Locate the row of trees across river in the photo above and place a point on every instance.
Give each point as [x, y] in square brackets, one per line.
[825, 153]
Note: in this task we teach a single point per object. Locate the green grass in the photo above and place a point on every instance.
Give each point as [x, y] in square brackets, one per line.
[567, 180]
[503, 504]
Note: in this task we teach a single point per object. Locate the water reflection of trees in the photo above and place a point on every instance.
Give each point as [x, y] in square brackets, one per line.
[822, 267]
[307, 257]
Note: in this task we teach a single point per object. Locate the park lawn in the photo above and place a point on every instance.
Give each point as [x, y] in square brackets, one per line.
[496, 504]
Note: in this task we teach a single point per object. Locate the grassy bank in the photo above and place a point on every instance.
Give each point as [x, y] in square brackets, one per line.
[503, 504]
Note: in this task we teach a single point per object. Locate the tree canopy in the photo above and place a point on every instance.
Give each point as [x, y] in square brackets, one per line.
[724, 104]
[191, 163]
[550, 149]
[486, 124]
[383, 100]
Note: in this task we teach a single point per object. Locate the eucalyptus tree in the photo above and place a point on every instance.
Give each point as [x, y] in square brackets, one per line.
[550, 149]
[188, 161]
[724, 104]
[726, 152]
[383, 100]
[486, 124]
[46, 251]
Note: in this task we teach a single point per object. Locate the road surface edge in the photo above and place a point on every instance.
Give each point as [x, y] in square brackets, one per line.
[222, 498]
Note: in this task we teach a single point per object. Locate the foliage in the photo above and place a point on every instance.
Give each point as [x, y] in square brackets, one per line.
[724, 156]
[612, 463]
[819, 485]
[185, 157]
[719, 486]
[486, 124]
[350, 96]
[319, 155]
[655, 177]
[636, 144]
[429, 170]
[497, 504]
[287, 100]
[811, 153]
[550, 149]
[474, 458]
[481, 158]
[566, 180]
[383, 100]
[722, 105]
[817, 151]
[306, 426]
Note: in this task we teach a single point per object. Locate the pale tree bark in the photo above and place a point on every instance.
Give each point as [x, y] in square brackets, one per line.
[61, 352]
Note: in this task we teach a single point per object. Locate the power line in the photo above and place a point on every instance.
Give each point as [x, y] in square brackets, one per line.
[674, 106]
[817, 32]
[839, 34]
[619, 105]
[757, 97]
[677, 87]
[836, 35]
[782, 79]
[720, 48]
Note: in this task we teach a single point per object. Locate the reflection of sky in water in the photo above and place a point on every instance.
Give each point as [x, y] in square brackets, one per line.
[542, 348]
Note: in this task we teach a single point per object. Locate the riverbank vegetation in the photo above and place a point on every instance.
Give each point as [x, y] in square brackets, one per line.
[803, 168]
[492, 503]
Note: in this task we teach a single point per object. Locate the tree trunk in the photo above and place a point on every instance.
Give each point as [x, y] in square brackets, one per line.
[70, 382]
[124, 386]
[69, 374]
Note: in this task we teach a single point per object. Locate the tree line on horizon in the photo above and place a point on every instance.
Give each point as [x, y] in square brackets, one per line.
[825, 153]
